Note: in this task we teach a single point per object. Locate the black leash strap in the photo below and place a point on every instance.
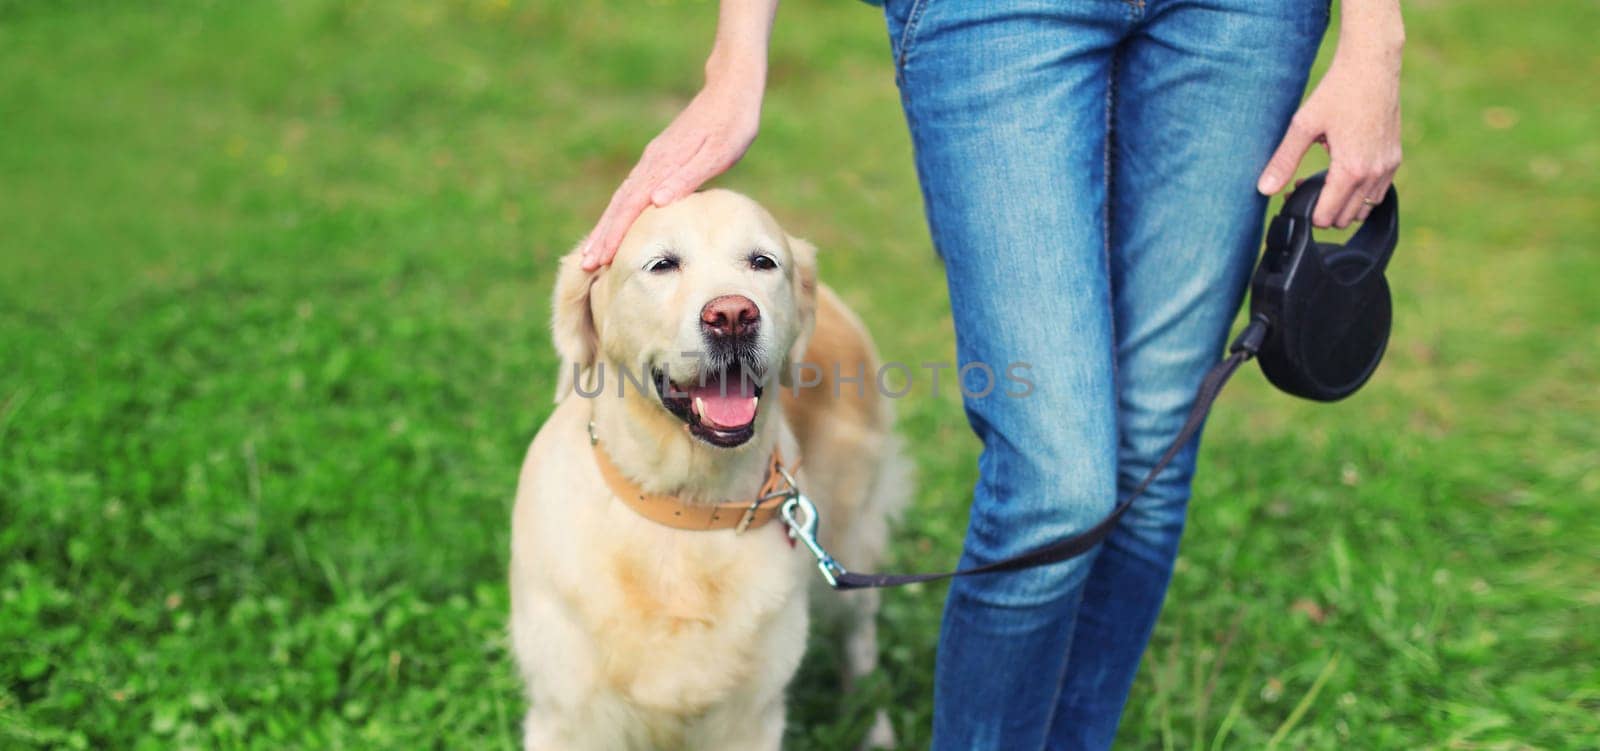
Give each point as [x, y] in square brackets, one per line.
[1242, 349]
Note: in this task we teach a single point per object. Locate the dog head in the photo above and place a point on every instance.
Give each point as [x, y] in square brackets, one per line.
[707, 303]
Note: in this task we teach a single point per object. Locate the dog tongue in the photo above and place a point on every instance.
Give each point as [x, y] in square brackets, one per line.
[725, 405]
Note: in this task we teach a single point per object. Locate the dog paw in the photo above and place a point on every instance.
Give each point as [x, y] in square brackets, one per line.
[881, 736]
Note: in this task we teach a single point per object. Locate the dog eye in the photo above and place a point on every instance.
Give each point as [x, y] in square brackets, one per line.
[662, 265]
[762, 262]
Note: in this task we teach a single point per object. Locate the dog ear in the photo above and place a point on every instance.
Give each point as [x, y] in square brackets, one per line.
[572, 327]
[805, 287]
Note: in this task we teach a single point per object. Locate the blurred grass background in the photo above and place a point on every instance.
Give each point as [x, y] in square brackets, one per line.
[272, 343]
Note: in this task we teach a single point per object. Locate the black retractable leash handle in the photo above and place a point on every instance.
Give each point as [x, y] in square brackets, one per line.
[1319, 322]
[1326, 306]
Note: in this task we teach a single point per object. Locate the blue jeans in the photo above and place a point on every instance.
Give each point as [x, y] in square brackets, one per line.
[1088, 170]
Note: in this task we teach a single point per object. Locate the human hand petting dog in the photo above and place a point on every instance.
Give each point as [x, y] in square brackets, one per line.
[1354, 111]
[707, 138]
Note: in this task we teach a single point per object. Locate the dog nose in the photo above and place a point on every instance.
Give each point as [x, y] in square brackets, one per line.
[729, 316]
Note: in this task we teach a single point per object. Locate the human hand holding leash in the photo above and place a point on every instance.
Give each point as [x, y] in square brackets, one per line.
[1354, 111]
[709, 136]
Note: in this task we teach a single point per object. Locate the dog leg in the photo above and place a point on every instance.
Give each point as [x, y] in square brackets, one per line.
[744, 730]
[861, 639]
[538, 735]
[861, 658]
[891, 493]
[881, 734]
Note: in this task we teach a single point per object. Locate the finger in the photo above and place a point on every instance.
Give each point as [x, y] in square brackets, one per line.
[1359, 196]
[613, 227]
[663, 156]
[1381, 191]
[706, 164]
[586, 259]
[1378, 192]
[1287, 158]
[627, 203]
[1335, 196]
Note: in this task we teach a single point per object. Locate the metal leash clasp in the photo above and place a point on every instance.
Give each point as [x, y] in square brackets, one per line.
[800, 514]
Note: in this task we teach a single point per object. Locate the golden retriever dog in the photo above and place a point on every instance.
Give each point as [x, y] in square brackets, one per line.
[651, 606]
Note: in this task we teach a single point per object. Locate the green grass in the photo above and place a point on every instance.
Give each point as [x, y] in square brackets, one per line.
[272, 343]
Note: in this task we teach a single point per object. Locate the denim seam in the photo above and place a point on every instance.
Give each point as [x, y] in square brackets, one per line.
[1106, 217]
[1105, 163]
[908, 34]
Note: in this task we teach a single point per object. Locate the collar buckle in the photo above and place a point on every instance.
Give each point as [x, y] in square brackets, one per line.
[755, 504]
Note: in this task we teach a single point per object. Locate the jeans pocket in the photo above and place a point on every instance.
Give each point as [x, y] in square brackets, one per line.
[903, 17]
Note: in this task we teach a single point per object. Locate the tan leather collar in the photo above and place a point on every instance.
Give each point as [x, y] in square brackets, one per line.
[674, 512]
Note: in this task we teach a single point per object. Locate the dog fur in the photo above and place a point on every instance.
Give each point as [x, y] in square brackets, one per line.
[633, 635]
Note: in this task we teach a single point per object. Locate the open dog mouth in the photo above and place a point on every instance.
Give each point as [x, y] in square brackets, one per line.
[719, 407]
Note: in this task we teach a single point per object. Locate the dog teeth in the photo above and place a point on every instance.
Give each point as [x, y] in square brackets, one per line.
[699, 406]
